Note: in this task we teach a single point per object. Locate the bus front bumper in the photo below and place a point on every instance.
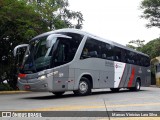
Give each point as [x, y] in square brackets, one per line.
[33, 85]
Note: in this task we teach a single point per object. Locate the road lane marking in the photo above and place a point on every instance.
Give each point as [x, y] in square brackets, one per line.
[82, 107]
[65, 108]
[13, 92]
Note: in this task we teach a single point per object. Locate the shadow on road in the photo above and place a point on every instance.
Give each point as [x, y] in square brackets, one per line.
[69, 95]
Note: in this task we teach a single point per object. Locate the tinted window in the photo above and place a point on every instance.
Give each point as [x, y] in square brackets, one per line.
[66, 49]
[146, 61]
[98, 49]
[92, 48]
[118, 54]
[136, 59]
[107, 51]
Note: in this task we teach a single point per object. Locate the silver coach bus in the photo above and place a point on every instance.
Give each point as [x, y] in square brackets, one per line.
[73, 60]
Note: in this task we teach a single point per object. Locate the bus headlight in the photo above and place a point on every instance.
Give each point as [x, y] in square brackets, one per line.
[47, 75]
[42, 77]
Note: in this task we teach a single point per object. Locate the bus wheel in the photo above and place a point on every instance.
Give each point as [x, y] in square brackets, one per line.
[114, 89]
[58, 93]
[84, 87]
[137, 86]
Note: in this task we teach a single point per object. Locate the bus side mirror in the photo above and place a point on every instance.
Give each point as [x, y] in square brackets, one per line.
[17, 47]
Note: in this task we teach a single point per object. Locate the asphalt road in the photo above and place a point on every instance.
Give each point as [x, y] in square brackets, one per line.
[148, 99]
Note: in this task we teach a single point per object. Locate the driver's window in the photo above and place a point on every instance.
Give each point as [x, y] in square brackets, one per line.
[41, 49]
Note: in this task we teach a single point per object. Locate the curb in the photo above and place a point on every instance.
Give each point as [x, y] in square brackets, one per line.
[13, 92]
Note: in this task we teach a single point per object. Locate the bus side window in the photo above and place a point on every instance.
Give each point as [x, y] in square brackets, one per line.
[109, 52]
[118, 54]
[138, 60]
[91, 48]
[103, 51]
[147, 61]
[123, 55]
[84, 52]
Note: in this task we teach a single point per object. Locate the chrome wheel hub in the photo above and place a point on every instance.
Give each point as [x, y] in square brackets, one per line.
[138, 85]
[83, 86]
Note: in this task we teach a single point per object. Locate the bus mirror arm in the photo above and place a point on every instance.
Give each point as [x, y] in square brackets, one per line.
[17, 47]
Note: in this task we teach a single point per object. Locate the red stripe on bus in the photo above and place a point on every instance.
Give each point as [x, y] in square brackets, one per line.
[131, 77]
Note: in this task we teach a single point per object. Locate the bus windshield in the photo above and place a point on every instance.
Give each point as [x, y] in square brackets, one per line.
[38, 57]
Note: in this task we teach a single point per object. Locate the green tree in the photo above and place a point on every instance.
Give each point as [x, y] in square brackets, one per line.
[152, 48]
[18, 22]
[56, 14]
[136, 44]
[151, 12]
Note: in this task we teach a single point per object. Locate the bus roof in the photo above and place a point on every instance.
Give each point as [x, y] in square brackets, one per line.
[72, 30]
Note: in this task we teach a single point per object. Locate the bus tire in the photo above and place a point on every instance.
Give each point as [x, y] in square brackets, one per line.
[137, 86]
[115, 89]
[84, 87]
[58, 93]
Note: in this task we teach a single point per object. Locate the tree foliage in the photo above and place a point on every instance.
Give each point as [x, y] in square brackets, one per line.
[136, 44]
[56, 14]
[19, 23]
[152, 48]
[151, 12]
[20, 20]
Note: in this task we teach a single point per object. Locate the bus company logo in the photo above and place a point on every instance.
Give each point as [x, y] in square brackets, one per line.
[6, 114]
[118, 65]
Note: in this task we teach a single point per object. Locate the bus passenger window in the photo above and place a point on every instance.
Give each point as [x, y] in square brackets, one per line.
[85, 53]
[117, 53]
[93, 54]
[104, 56]
[91, 48]
[107, 51]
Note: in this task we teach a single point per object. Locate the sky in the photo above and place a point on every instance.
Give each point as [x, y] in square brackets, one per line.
[115, 20]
